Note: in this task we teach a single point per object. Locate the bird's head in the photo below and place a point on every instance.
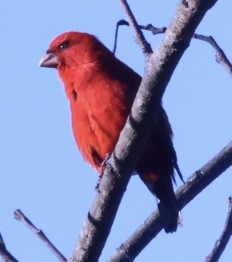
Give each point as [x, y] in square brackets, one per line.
[71, 49]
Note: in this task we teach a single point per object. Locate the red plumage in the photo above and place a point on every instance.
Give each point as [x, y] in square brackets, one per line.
[101, 90]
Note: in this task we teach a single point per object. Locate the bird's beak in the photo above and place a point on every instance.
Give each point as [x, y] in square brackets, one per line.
[49, 60]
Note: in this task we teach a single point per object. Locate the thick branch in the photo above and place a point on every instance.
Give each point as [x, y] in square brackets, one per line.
[158, 71]
[194, 185]
[221, 243]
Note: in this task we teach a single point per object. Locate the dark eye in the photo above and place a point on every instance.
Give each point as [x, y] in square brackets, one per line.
[63, 46]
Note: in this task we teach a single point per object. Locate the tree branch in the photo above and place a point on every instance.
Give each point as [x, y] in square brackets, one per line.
[193, 186]
[22, 218]
[150, 27]
[221, 58]
[4, 253]
[221, 243]
[158, 70]
[139, 37]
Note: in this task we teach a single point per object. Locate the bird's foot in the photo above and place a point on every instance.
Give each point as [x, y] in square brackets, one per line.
[97, 188]
[104, 162]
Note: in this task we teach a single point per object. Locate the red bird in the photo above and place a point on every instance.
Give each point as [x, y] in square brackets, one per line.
[101, 90]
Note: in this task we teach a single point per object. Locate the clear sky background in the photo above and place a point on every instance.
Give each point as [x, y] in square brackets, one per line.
[41, 170]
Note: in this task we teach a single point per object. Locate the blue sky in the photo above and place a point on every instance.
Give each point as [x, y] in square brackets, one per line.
[42, 172]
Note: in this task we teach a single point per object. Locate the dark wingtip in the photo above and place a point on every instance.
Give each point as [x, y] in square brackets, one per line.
[179, 172]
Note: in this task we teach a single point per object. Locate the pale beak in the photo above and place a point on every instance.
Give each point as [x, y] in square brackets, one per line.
[49, 60]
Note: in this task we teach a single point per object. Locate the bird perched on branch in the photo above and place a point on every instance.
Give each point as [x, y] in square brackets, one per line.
[101, 90]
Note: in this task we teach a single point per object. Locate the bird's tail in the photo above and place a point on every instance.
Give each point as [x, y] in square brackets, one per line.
[168, 208]
[167, 203]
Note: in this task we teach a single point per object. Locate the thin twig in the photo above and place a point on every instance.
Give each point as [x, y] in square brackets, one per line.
[139, 37]
[119, 23]
[22, 218]
[221, 58]
[221, 243]
[193, 186]
[149, 27]
[4, 253]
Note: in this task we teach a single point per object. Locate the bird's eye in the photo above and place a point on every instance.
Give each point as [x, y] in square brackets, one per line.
[63, 46]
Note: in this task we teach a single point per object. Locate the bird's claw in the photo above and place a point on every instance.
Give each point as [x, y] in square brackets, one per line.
[103, 164]
[97, 188]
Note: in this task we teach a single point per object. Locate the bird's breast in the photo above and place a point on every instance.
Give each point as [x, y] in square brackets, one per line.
[98, 116]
